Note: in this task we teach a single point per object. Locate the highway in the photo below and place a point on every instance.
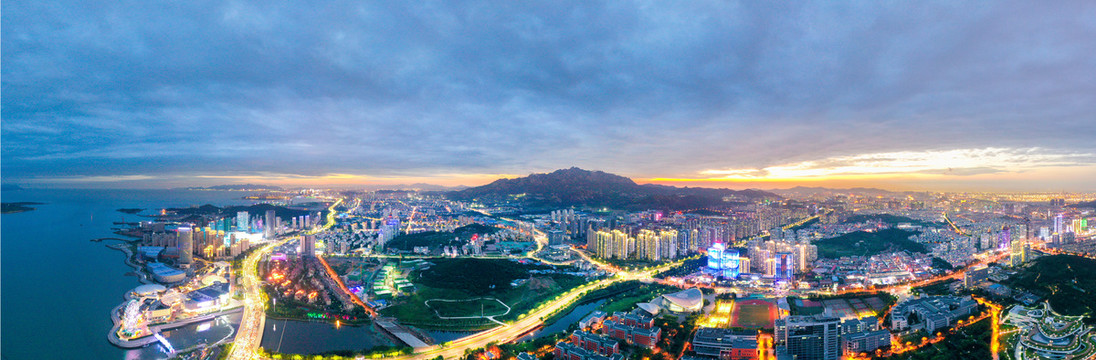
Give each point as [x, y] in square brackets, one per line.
[529, 322]
[251, 329]
[250, 333]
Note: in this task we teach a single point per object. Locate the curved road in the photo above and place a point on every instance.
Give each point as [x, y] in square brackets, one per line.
[254, 320]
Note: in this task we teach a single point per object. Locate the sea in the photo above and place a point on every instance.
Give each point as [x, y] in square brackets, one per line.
[57, 287]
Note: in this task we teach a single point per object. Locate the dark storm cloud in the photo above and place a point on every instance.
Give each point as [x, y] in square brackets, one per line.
[641, 88]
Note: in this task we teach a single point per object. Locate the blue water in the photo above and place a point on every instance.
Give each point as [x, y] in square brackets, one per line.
[564, 322]
[58, 287]
[306, 337]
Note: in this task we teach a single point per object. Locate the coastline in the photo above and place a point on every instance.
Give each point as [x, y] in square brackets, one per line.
[130, 260]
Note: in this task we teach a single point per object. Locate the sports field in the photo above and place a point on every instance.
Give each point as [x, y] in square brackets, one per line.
[753, 314]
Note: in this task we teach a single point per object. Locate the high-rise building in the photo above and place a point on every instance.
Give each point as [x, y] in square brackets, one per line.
[555, 237]
[268, 224]
[308, 246]
[1019, 253]
[1059, 224]
[784, 266]
[667, 244]
[648, 245]
[809, 337]
[186, 244]
[242, 221]
[1004, 238]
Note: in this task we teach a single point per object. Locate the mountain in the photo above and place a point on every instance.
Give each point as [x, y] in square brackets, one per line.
[10, 187]
[240, 187]
[578, 187]
[417, 187]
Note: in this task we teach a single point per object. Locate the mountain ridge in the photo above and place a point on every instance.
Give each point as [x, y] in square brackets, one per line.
[579, 187]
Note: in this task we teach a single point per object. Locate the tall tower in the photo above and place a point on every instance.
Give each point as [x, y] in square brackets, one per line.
[268, 225]
[186, 244]
[308, 246]
[242, 223]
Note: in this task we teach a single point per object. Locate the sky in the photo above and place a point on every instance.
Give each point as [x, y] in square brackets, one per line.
[963, 96]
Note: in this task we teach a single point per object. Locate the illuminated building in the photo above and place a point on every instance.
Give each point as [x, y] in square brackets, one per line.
[1019, 253]
[668, 248]
[1059, 224]
[308, 246]
[164, 274]
[269, 224]
[604, 244]
[809, 337]
[1004, 239]
[242, 221]
[932, 312]
[186, 245]
[648, 245]
[623, 245]
[685, 301]
[726, 343]
[866, 341]
[975, 275]
[723, 261]
[784, 266]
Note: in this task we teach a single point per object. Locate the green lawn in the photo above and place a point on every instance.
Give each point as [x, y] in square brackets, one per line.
[459, 279]
[470, 307]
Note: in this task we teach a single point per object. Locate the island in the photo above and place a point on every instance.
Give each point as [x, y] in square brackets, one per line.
[17, 207]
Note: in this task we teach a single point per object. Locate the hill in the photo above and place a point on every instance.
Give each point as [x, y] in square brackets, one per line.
[1067, 281]
[888, 219]
[459, 236]
[253, 210]
[1089, 204]
[863, 243]
[10, 187]
[578, 187]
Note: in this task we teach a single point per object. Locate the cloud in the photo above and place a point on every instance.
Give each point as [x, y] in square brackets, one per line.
[642, 89]
[959, 162]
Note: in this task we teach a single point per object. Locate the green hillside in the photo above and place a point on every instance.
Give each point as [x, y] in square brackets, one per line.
[1068, 282]
[864, 243]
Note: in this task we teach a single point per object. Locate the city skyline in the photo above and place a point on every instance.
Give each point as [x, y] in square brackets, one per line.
[938, 97]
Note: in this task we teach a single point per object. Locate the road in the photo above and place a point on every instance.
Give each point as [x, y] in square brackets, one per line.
[247, 340]
[250, 334]
[529, 322]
